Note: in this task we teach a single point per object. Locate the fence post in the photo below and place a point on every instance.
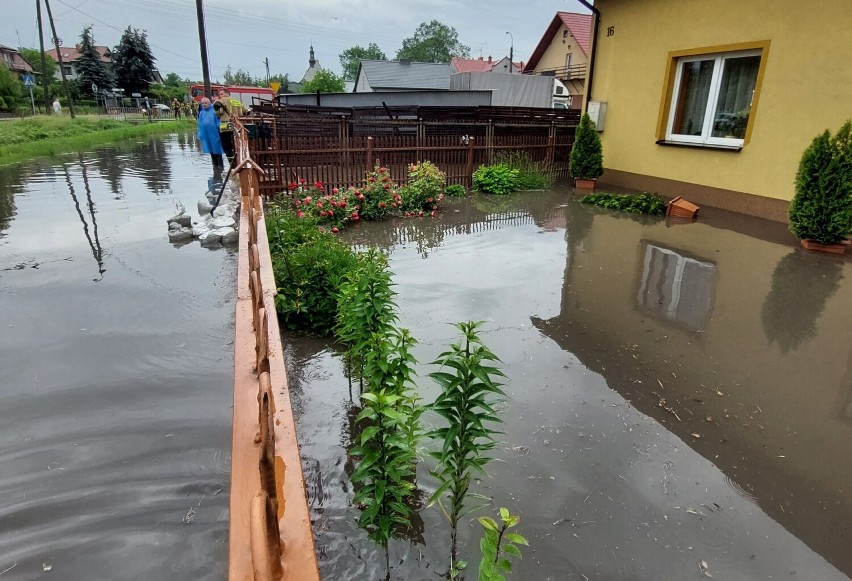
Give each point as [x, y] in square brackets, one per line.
[369, 154]
[469, 172]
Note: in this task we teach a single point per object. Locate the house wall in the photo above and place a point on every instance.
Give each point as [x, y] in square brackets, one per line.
[362, 85]
[804, 91]
[560, 47]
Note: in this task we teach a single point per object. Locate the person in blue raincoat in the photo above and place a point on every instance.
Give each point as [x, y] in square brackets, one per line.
[208, 133]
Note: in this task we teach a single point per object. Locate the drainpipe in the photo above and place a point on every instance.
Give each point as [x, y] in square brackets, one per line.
[597, 14]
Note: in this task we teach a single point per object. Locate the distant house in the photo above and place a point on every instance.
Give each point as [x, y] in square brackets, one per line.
[481, 65]
[401, 76]
[13, 59]
[563, 51]
[716, 101]
[70, 56]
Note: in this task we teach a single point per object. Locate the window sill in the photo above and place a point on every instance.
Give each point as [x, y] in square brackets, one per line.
[699, 145]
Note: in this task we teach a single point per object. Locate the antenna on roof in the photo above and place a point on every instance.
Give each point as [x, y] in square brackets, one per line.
[482, 46]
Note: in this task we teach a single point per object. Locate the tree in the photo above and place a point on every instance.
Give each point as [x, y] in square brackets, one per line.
[91, 69]
[174, 80]
[283, 79]
[240, 78]
[325, 82]
[133, 62]
[433, 42]
[352, 57]
[33, 56]
[10, 89]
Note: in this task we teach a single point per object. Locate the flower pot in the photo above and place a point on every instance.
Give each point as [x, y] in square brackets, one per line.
[838, 248]
[680, 208]
[584, 184]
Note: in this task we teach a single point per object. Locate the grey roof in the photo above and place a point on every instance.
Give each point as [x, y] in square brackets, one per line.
[401, 75]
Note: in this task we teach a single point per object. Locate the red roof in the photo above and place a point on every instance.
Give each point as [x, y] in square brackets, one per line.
[71, 54]
[14, 59]
[579, 25]
[479, 65]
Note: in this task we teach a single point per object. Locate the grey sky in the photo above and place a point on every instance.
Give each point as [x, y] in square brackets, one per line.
[241, 33]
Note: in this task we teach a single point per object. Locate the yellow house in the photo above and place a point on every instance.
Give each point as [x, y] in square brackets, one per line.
[716, 101]
[563, 51]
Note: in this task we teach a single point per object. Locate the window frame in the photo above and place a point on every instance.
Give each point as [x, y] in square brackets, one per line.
[672, 80]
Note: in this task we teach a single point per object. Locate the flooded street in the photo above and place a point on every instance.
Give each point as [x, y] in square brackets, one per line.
[117, 358]
[679, 396]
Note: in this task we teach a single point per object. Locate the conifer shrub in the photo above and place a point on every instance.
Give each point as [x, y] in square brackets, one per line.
[586, 161]
[821, 209]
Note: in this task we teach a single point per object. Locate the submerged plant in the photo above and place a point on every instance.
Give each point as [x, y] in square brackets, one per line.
[644, 203]
[497, 179]
[455, 191]
[365, 308]
[497, 544]
[468, 391]
[532, 175]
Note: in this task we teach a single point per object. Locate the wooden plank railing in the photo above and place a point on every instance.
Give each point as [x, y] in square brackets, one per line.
[270, 528]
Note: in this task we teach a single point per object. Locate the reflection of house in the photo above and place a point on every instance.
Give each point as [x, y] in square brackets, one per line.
[13, 59]
[70, 56]
[480, 65]
[727, 83]
[659, 323]
[401, 76]
[563, 51]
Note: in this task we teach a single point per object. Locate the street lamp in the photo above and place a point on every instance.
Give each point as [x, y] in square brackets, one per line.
[511, 53]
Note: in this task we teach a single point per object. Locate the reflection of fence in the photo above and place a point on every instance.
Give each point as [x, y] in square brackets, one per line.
[337, 145]
[135, 113]
[266, 541]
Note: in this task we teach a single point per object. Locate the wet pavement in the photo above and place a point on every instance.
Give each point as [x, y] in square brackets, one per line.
[117, 356]
[679, 395]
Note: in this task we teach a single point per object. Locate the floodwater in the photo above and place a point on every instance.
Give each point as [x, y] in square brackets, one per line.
[679, 396]
[116, 350]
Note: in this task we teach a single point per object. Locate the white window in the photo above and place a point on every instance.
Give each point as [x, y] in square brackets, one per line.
[712, 98]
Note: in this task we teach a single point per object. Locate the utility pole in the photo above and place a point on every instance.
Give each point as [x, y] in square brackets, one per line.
[202, 40]
[266, 60]
[56, 42]
[44, 80]
[511, 52]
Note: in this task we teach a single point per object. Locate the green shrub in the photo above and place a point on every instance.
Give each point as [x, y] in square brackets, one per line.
[586, 161]
[309, 265]
[378, 196]
[332, 211]
[821, 210]
[495, 179]
[644, 203]
[532, 175]
[497, 544]
[455, 191]
[424, 190]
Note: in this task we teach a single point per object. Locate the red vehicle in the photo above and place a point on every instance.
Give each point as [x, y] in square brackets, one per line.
[243, 94]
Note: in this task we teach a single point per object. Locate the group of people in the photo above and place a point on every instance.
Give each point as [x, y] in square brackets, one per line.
[215, 131]
[184, 109]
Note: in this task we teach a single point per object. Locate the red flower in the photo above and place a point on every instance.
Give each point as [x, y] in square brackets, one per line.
[296, 203]
[360, 196]
[318, 185]
[330, 213]
[356, 218]
[334, 190]
[429, 200]
[335, 229]
[371, 179]
[319, 205]
[382, 205]
[322, 213]
[421, 213]
[308, 200]
[433, 213]
[355, 215]
[301, 180]
[300, 214]
[292, 186]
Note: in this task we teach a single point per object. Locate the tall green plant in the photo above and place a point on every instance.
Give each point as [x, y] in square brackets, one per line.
[821, 210]
[497, 544]
[365, 308]
[387, 447]
[466, 402]
[497, 179]
[532, 175]
[586, 161]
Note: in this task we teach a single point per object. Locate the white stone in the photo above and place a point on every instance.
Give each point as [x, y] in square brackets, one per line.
[180, 235]
[223, 222]
[204, 207]
[199, 230]
[230, 238]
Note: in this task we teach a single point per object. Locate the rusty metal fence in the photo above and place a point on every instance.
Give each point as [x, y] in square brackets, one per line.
[266, 542]
[338, 145]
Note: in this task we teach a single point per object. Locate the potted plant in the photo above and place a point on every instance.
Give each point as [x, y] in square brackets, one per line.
[821, 211]
[586, 163]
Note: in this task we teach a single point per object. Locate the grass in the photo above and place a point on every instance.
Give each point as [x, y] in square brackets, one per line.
[532, 175]
[22, 139]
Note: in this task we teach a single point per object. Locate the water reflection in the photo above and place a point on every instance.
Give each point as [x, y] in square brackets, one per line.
[801, 286]
[92, 238]
[12, 181]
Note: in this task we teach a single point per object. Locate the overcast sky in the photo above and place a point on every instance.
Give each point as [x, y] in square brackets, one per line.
[241, 33]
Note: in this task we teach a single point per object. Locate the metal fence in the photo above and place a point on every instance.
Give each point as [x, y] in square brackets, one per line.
[338, 145]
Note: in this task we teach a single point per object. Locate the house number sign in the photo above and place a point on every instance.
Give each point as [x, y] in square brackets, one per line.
[610, 31]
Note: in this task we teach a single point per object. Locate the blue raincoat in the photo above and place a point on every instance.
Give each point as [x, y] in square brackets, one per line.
[208, 131]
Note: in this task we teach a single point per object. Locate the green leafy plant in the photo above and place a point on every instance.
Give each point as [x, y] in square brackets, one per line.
[497, 544]
[586, 161]
[424, 190]
[532, 175]
[387, 446]
[644, 203]
[308, 265]
[821, 209]
[365, 308]
[466, 403]
[378, 196]
[455, 191]
[495, 179]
